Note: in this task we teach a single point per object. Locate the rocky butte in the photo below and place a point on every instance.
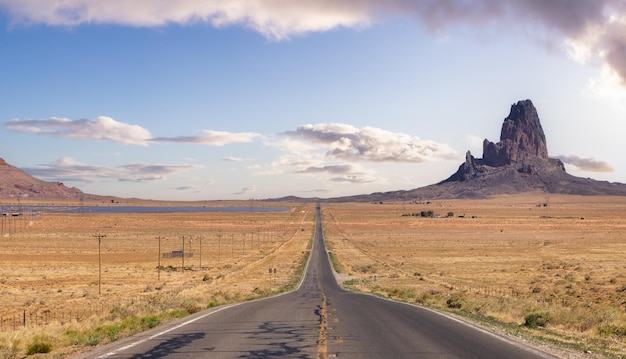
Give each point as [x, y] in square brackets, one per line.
[518, 163]
[522, 148]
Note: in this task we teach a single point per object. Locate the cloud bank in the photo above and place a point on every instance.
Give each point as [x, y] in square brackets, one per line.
[210, 137]
[346, 142]
[586, 164]
[591, 31]
[105, 128]
[67, 169]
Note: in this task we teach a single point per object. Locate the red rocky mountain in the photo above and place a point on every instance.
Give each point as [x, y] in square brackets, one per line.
[15, 183]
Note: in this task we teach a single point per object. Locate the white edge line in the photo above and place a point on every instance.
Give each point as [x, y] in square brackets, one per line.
[135, 343]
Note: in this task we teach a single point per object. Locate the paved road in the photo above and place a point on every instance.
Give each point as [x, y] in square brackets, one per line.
[318, 320]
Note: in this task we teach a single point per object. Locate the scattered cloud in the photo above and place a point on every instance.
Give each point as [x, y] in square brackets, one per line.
[210, 137]
[246, 190]
[346, 142]
[235, 159]
[345, 173]
[607, 86]
[273, 19]
[334, 169]
[353, 179]
[67, 169]
[589, 29]
[586, 164]
[103, 128]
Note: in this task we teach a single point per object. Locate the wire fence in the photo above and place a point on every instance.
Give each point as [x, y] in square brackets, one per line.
[37, 317]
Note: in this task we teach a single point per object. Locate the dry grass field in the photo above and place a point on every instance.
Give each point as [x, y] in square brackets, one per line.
[548, 267]
[51, 298]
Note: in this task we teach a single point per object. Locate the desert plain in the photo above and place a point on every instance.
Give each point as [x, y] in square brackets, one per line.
[547, 269]
[65, 289]
[550, 268]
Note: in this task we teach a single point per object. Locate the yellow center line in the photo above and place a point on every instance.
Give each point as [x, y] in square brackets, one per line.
[321, 342]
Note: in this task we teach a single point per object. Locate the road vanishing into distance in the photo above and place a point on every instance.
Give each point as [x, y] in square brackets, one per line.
[317, 320]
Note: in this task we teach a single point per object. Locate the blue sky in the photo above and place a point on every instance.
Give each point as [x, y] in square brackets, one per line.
[193, 100]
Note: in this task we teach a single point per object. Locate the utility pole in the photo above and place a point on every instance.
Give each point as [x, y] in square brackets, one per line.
[200, 239]
[159, 259]
[99, 236]
[183, 255]
[219, 247]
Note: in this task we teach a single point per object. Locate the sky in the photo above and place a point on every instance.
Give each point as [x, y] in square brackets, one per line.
[256, 99]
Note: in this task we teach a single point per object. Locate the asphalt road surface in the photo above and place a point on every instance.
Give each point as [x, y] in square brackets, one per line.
[317, 320]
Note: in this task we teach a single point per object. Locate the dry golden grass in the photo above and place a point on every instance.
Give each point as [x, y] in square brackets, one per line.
[49, 270]
[507, 258]
[518, 255]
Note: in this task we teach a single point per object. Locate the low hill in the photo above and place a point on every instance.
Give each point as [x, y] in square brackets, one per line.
[15, 183]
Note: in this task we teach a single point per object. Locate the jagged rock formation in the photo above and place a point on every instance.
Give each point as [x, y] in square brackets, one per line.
[522, 146]
[15, 183]
[518, 163]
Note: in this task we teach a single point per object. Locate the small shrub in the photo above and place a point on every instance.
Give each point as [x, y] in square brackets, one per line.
[191, 306]
[207, 278]
[110, 331]
[39, 345]
[617, 331]
[93, 339]
[150, 322]
[456, 301]
[178, 313]
[536, 319]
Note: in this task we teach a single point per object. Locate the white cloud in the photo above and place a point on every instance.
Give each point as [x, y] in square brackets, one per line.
[67, 169]
[608, 86]
[274, 19]
[211, 137]
[103, 128]
[334, 169]
[344, 173]
[346, 142]
[353, 179]
[234, 159]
